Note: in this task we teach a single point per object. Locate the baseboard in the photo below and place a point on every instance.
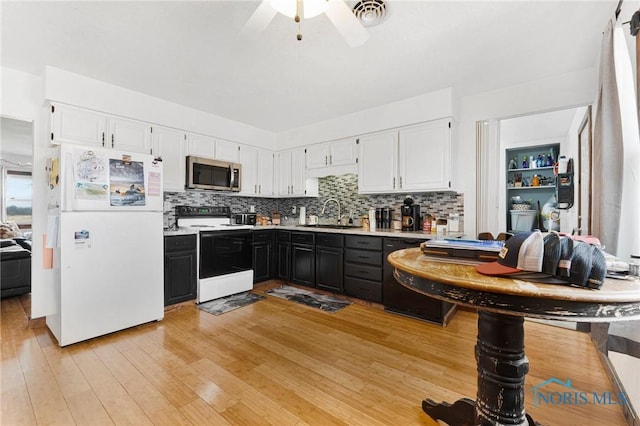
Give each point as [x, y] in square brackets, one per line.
[627, 409]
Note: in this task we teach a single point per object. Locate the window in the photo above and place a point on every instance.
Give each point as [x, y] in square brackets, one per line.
[17, 198]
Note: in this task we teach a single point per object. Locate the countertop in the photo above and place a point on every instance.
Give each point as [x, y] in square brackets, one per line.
[421, 235]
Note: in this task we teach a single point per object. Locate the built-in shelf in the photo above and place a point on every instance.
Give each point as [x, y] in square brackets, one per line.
[530, 169]
[530, 187]
[536, 195]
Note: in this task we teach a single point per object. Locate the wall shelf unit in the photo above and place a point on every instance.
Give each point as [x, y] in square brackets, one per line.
[536, 184]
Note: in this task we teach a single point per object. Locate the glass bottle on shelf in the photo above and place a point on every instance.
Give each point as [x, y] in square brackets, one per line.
[525, 162]
[532, 162]
[539, 162]
[513, 164]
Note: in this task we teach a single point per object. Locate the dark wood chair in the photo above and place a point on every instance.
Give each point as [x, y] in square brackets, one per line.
[485, 236]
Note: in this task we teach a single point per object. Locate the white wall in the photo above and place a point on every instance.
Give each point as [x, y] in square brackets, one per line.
[562, 91]
[425, 107]
[22, 99]
[75, 89]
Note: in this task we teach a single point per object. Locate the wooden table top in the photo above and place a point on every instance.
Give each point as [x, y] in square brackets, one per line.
[412, 263]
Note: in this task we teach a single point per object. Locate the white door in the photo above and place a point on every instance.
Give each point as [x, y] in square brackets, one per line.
[111, 272]
[317, 156]
[424, 159]
[169, 144]
[80, 126]
[265, 173]
[249, 162]
[225, 150]
[129, 135]
[343, 153]
[200, 145]
[284, 173]
[377, 165]
[297, 172]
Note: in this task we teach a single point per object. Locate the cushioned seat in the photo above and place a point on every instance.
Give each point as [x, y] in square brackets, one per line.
[15, 269]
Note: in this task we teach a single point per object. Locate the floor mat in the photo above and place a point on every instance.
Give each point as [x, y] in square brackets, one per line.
[309, 298]
[229, 303]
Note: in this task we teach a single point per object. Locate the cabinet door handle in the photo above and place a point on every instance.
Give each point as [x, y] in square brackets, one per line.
[330, 159]
[363, 257]
[255, 188]
[259, 189]
[400, 182]
[394, 183]
[325, 160]
[103, 139]
[112, 140]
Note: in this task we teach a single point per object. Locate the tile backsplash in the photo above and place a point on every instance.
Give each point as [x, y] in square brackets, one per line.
[344, 188]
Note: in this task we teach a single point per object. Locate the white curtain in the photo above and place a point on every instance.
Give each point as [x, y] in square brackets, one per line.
[616, 150]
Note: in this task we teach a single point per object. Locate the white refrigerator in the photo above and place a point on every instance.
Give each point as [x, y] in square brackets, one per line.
[106, 230]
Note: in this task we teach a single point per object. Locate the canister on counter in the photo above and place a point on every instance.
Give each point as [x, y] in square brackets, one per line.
[426, 223]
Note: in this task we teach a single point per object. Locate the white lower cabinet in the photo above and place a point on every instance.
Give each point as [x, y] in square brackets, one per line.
[170, 145]
[257, 172]
[411, 159]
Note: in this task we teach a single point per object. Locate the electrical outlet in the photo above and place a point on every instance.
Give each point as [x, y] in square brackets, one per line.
[293, 209]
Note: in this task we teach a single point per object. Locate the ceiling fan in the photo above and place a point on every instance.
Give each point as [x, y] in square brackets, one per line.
[337, 11]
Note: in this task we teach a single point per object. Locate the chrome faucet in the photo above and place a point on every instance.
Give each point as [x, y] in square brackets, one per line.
[325, 206]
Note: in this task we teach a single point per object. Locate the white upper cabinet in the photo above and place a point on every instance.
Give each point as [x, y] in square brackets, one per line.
[424, 157]
[410, 159]
[332, 158]
[257, 172]
[343, 152]
[317, 156]
[200, 145]
[75, 125]
[85, 127]
[209, 147]
[225, 150]
[377, 166]
[129, 135]
[265, 173]
[170, 145]
[292, 181]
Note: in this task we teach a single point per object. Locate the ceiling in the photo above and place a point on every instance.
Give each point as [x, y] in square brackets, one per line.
[191, 53]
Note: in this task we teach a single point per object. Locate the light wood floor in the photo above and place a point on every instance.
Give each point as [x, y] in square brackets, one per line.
[274, 362]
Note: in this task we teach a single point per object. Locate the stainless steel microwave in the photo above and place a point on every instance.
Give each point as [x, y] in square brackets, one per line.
[207, 173]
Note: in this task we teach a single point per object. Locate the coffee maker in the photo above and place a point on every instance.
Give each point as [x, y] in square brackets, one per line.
[410, 216]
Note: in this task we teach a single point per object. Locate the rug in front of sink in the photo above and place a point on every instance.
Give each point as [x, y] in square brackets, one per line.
[309, 298]
[229, 303]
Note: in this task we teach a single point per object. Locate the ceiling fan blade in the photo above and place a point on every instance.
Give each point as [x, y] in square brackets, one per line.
[346, 23]
[259, 19]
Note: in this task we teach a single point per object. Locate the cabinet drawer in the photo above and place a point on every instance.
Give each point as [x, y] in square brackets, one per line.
[363, 289]
[362, 242]
[180, 243]
[329, 240]
[393, 244]
[302, 238]
[284, 236]
[363, 256]
[373, 273]
[259, 236]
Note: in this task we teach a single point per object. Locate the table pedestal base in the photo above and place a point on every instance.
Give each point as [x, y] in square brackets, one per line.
[502, 366]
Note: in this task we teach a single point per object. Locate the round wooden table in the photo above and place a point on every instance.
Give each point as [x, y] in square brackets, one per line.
[502, 304]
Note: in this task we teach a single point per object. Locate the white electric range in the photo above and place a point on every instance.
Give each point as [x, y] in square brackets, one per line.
[225, 255]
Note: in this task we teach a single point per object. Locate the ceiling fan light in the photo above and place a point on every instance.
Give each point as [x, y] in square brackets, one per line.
[310, 8]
